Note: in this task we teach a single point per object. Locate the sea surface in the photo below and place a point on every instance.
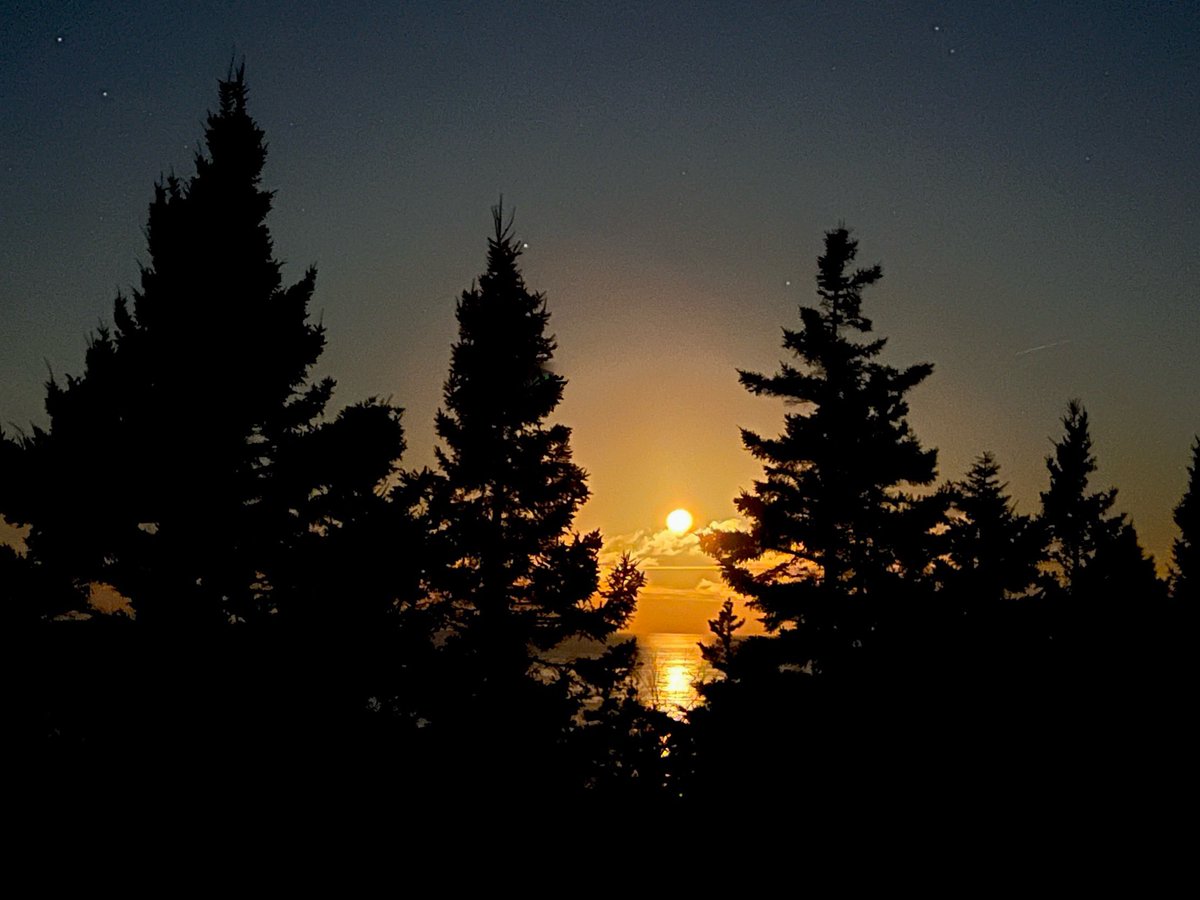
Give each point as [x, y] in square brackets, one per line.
[669, 667]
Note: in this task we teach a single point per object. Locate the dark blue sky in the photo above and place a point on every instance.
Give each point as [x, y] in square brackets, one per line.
[1026, 173]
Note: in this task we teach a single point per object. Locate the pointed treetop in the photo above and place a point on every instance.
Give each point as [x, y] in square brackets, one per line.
[1072, 462]
[232, 89]
[1079, 522]
[503, 229]
[236, 145]
[503, 251]
[841, 294]
[993, 550]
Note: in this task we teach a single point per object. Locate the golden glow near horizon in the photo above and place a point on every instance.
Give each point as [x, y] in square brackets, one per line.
[679, 521]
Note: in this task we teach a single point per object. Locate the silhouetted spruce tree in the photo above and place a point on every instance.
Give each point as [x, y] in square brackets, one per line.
[188, 467]
[835, 536]
[1113, 656]
[1124, 570]
[993, 551]
[1095, 554]
[719, 653]
[1185, 555]
[512, 578]
[1077, 520]
[176, 467]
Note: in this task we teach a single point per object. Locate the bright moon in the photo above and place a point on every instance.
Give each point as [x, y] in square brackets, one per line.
[679, 521]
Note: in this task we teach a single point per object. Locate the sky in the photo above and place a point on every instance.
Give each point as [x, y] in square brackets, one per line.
[1026, 174]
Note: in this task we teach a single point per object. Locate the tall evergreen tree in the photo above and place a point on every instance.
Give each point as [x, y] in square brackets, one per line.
[993, 551]
[835, 531]
[189, 467]
[178, 467]
[1095, 553]
[1185, 555]
[512, 577]
[1078, 521]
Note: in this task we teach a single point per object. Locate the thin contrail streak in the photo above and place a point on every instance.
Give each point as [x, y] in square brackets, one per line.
[1041, 347]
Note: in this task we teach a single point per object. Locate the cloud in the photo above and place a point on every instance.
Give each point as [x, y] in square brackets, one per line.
[658, 548]
[737, 523]
[684, 588]
[649, 549]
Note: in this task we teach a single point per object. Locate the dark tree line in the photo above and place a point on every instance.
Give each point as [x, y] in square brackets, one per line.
[288, 589]
[904, 619]
[294, 600]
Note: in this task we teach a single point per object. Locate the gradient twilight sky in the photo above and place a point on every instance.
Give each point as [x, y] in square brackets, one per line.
[1026, 174]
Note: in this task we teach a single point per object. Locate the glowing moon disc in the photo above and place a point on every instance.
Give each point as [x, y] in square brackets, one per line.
[679, 521]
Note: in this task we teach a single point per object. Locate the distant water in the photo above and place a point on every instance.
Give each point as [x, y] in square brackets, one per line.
[669, 665]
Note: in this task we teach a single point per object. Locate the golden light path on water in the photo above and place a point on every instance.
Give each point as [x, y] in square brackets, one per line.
[669, 666]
